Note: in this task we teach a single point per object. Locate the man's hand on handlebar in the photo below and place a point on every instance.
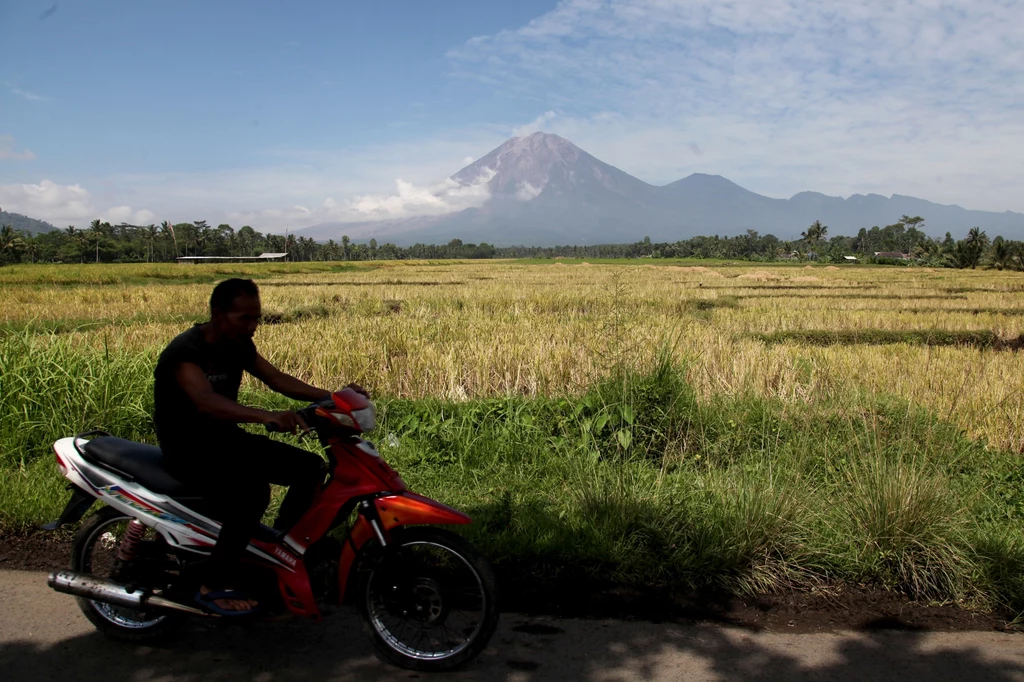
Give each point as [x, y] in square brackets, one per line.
[287, 421]
[359, 389]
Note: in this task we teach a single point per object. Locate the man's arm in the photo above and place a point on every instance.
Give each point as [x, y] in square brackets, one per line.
[193, 381]
[285, 384]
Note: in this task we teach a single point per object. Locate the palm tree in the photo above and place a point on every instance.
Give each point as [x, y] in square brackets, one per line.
[31, 248]
[967, 252]
[1001, 254]
[151, 231]
[201, 237]
[10, 241]
[815, 233]
[96, 228]
[167, 228]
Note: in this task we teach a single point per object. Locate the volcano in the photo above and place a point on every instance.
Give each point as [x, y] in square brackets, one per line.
[542, 190]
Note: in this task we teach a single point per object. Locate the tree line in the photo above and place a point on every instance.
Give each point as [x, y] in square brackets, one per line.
[102, 242]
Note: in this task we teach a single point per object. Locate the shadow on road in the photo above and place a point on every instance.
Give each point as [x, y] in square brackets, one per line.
[524, 649]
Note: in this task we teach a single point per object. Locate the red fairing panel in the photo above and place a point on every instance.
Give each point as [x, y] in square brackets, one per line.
[410, 509]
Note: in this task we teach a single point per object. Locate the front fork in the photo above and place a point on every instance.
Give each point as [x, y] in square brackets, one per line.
[379, 515]
[362, 532]
[368, 511]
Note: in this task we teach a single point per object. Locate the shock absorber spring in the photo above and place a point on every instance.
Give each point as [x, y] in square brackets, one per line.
[130, 541]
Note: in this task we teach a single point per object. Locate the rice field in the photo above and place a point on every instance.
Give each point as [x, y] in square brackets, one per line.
[476, 330]
[797, 399]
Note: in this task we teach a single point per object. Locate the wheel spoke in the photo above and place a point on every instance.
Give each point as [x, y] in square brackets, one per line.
[99, 558]
[440, 590]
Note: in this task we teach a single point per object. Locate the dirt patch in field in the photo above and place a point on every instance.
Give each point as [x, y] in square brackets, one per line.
[831, 267]
[807, 278]
[584, 264]
[700, 269]
[760, 276]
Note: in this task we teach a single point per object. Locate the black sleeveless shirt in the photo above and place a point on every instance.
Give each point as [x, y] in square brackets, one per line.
[178, 420]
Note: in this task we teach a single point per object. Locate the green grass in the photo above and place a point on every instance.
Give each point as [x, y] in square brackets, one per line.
[636, 481]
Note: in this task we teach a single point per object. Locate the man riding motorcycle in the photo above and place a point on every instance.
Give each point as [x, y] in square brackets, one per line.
[197, 417]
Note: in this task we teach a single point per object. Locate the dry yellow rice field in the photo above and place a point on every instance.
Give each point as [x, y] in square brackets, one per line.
[461, 330]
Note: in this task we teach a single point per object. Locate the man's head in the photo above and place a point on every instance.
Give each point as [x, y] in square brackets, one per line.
[235, 309]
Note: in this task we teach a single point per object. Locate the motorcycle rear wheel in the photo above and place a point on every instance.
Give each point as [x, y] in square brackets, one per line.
[94, 552]
[429, 601]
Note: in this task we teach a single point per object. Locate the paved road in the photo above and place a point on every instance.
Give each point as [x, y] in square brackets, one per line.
[43, 636]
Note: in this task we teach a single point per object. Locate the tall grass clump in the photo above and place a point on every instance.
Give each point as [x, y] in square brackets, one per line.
[905, 526]
[54, 389]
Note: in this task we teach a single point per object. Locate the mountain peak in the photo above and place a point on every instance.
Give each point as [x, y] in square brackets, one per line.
[525, 167]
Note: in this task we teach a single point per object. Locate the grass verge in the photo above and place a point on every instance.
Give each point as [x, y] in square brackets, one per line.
[636, 481]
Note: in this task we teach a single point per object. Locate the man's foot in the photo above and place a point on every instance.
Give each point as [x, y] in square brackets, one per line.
[226, 601]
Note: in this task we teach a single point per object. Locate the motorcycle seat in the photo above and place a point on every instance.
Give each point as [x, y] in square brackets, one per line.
[142, 463]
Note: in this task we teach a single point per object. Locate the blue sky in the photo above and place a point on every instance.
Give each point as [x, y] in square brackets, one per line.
[278, 114]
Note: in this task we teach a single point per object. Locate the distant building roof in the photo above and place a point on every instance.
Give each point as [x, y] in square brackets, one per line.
[262, 256]
[849, 258]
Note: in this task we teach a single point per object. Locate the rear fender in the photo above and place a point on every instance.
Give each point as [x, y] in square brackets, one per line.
[74, 510]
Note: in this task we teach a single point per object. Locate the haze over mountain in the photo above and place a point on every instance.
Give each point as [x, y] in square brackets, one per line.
[543, 190]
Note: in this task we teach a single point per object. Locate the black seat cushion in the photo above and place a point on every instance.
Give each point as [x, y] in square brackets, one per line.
[143, 463]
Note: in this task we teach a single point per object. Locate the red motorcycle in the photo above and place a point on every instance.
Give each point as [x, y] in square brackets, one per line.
[426, 597]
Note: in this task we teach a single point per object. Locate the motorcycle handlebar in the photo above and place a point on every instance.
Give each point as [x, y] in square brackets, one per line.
[306, 414]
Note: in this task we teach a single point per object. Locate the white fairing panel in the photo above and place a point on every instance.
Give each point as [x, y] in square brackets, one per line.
[178, 524]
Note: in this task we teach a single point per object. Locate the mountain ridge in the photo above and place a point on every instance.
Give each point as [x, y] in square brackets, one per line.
[22, 222]
[544, 190]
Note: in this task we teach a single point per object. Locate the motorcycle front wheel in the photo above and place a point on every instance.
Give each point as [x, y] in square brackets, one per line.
[429, 601]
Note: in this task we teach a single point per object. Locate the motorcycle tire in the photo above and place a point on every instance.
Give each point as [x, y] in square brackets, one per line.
[432, 597]
[116, 622]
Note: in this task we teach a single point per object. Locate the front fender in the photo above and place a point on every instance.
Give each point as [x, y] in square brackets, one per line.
[401, 509]
[409, 509]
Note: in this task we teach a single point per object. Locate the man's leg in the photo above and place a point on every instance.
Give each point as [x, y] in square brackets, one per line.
[282, 464]
[239, 510]
[238, 500]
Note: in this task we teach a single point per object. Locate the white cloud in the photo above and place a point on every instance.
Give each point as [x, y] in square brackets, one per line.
[527, 192]
[125, 214]
[781, 95]
[26, 94]
[8, 151]
[58, 204]
[298, 188]
[408, 200]
[64, 204]
[535, 125]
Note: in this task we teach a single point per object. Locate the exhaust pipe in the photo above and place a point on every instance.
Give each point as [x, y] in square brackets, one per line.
[109, 592]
